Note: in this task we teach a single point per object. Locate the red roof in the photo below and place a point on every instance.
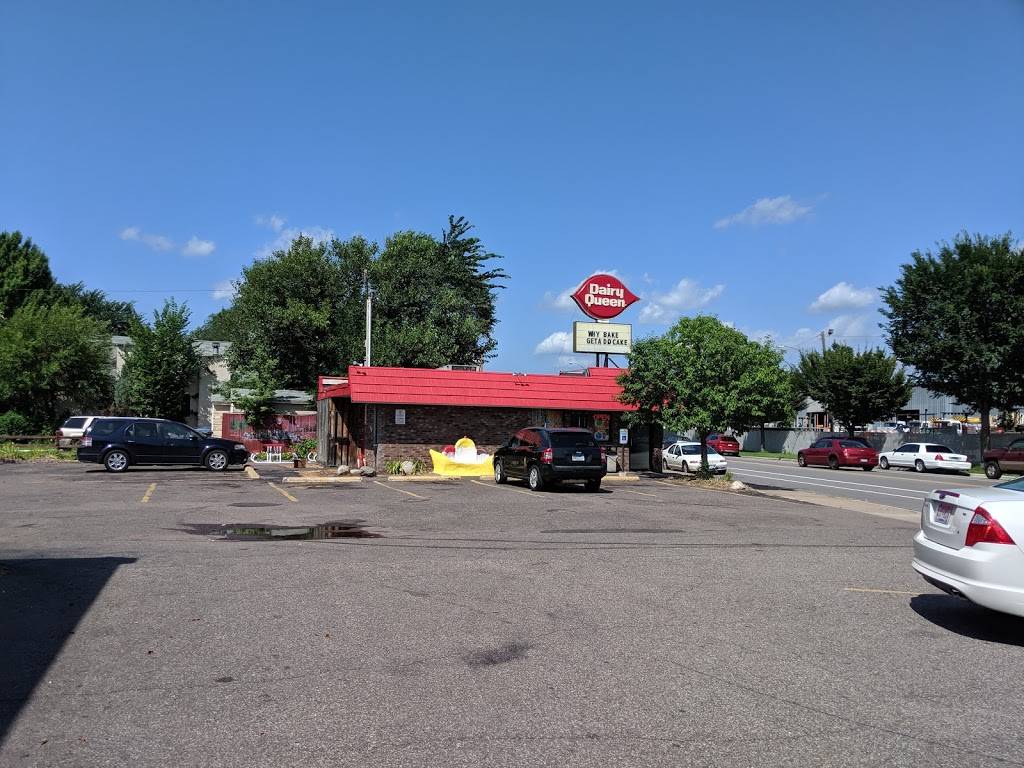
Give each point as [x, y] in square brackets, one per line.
[427, 386]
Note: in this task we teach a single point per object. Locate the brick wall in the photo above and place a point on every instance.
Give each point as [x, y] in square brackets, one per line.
[435, 426]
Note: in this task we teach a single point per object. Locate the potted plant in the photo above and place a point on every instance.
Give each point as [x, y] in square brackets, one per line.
[304, 449]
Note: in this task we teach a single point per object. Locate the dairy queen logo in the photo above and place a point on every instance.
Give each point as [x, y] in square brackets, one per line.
[603, 296]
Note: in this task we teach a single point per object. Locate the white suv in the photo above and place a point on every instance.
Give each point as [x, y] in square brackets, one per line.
[73, 429]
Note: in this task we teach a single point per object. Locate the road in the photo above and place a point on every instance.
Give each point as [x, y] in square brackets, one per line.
[897, 488]
[650, 624]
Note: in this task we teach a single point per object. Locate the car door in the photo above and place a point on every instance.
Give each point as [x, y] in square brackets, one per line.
[143, 442]
[180, 444]
[818, 452]
[510, 457]
[672, 457]
[905, 455]
[1014, 457]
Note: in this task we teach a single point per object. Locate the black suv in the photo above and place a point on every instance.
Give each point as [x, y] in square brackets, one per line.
[540, 456]
[117, 443]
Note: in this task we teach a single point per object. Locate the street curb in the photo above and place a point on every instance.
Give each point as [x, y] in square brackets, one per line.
[625, 477]
[251, 473]
[321, 480]
[427, 478]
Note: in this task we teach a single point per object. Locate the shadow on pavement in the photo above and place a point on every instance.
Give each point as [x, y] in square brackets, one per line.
[41, 603]
[965, 618]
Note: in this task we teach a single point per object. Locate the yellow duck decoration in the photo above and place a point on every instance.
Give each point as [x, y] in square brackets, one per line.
[463, 461]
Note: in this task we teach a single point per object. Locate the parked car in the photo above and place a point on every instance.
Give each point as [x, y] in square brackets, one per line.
[543, 456]
[923, 457]
[1008, 459]
[969, 544]
[72, 429]
[685, 457]
[839, 452]
[725, 444]
[118, 443]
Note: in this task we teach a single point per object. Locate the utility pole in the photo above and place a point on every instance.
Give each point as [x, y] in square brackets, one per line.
[369, 315]
[822, 335]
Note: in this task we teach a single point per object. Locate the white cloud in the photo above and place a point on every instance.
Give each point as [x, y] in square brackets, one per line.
[558, 343]
[286, 236]
[686, 295]
[155, 242]
[841, 296]
[857, 330]
[225, 289]
[197, 247]
[767, 210]
[271, 221]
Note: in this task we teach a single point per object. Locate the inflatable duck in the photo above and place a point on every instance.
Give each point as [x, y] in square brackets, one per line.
[462, 460]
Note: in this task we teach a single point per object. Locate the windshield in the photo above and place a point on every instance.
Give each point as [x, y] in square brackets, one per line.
[571, 440]
[694, 450]
[1013, 485]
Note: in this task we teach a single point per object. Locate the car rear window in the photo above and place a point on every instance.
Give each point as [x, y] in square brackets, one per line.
[938, 449]
[75, 422]
[853, 444]
[571, 440]
[104, 427]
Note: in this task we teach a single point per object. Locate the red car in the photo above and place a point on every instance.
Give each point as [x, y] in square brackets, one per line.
[724, 444]
[839, 452]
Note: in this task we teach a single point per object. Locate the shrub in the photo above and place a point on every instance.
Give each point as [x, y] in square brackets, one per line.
[13, 423]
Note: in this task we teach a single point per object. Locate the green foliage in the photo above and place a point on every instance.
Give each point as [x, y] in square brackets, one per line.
[53, 361]
[119, 316]
[704, 376]
[13, 423]
[162, 365]
[14, 452]
[956, 317]
[305, 447]
[24, 273]
[251, 391]
[394, 466]
[223, 325]
[856, 388]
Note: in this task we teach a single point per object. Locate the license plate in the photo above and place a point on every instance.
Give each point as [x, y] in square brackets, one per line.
[578, 457]
[863, 461]
[943, 512]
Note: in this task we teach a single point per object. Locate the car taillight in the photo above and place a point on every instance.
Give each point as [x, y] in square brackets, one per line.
[546, 456]
[85, 442]
[59, 433]
[984, 530]
[604, 455]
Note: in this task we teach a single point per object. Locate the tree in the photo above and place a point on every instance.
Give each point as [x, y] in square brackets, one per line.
[119, 316]
[856, 388]
[53, 361]
[707, 377]
[956, 318]
[223, 325]
[434, 299]
[162, 365]
[301, 311]
[24, 273]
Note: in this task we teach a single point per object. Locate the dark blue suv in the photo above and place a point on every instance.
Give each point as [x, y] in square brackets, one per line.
[117, 443]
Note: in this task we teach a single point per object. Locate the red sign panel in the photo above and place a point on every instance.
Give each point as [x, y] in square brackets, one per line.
[603, 296]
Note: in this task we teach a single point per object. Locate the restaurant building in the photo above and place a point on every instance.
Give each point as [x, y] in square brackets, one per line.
[371, 415]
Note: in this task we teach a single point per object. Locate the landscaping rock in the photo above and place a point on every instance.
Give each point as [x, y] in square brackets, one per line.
[367, 472]
[736, 485]
[343, 470]
[408, 467]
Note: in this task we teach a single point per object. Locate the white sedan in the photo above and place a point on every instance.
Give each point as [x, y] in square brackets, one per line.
[685, 457]
[969, 544]
[923, 457]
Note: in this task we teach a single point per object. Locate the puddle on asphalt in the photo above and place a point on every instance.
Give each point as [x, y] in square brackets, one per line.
[336, 529]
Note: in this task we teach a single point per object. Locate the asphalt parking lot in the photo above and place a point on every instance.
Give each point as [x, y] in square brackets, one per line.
[465, 623]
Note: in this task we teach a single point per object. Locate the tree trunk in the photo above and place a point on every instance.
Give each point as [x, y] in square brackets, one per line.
[703, 451]
[986, 427]
[762, 436]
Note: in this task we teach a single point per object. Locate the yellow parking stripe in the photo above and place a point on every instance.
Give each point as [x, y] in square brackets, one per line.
[494, 485]
[283, 492]
[400, 490]
[149, 492]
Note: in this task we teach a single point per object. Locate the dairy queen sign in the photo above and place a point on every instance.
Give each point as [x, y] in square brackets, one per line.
[603, 297]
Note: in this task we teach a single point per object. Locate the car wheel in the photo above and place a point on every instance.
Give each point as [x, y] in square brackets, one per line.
[216, 461]
[686, 468]
[593, 485]
[534, 480]
[883, 463]
[833, 462]
[992, 470]
[919, 466]
[800, 460]
[499, 473]
[116, 461]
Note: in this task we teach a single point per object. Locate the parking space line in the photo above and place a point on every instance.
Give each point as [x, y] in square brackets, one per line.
[495, 486]
[282, 491]
[400, 490]
[149, 492]
[832, 485]
[880, 591]
[638, 493]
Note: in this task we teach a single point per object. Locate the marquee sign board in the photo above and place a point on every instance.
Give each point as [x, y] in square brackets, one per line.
[602, 338]
[603, 296]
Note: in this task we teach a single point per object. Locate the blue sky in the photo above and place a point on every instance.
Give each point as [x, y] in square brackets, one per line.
[769, 163]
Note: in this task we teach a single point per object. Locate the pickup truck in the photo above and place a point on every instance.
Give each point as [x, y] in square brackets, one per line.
[1008, 459]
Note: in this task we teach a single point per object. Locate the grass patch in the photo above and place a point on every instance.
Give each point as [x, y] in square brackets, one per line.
[767, 454]
[19, 452]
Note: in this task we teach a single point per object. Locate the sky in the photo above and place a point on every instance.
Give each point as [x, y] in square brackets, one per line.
[771, 164]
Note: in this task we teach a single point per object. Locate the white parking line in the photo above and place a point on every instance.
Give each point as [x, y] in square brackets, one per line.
[856, 487]
[906, 475]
